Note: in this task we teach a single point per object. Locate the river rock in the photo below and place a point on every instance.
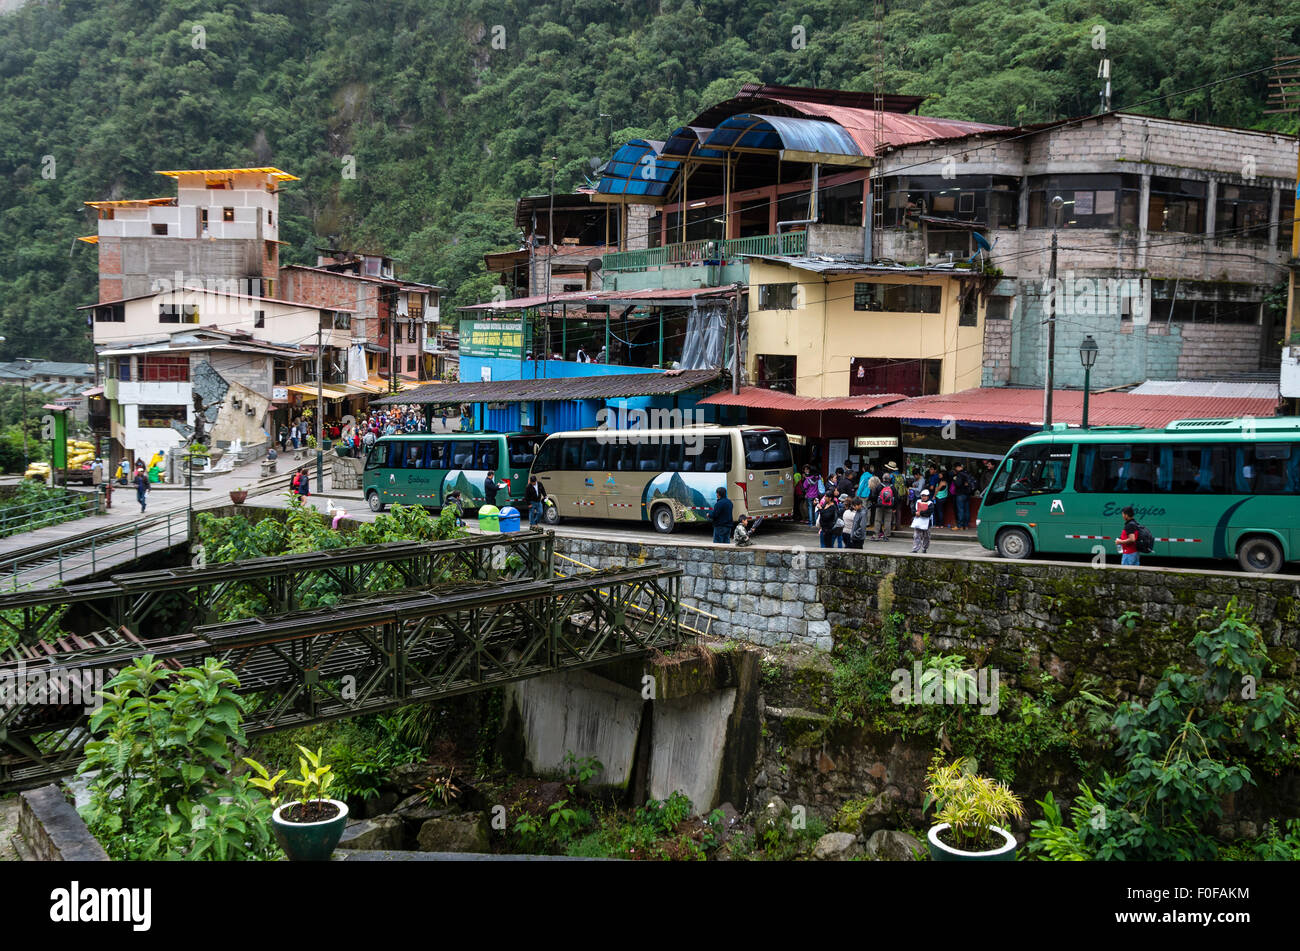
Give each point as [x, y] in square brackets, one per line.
[890, 845]
[381, 832]
[837, 847]
[774, 813]
[417, 808]
[464, 833]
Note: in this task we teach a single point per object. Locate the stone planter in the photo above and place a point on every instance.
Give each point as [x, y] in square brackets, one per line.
[238, 496]
[309, 841]
[942, 852]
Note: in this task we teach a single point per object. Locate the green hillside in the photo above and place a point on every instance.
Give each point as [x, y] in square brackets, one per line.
[447, 128]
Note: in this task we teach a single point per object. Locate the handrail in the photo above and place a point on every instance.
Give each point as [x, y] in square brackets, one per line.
[706, 251]
[685, 607]
[49, 512]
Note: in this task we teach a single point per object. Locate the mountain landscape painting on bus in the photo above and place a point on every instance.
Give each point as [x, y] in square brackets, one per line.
[694, 490]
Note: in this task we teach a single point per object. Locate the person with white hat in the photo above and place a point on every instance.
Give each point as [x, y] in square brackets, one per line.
[922, 519]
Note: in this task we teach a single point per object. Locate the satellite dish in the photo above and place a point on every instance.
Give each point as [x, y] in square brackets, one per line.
[982, 242]
[594, 163]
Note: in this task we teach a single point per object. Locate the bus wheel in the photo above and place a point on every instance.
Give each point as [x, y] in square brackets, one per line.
[372, 498]
[1015, 543]
[551, 514]
[1260, 553]
[663, 519]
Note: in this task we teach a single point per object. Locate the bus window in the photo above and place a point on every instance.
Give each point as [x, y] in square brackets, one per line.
[487, 453]
[649, 457]
[715, 456]
[675, 455]
[462, 454]
[548, 457]
[1276, 468]
[1032, 470]
[591, 452]
[396, 455]
[620, 457]
[439, 456]
[376, 458]
[416, 455]
[1196, 469]
[571, 454]
[521, 451]
[766, 450]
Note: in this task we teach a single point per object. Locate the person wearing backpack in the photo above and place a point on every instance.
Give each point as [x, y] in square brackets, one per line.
[885, 502]
[1130, 539]
[922, 519]
[962, 488]
[812, 492]
[827, 515]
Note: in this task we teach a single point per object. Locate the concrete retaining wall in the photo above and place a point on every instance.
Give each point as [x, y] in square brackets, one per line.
[52, 831]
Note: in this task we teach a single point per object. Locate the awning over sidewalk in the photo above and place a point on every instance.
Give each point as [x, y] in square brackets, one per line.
[612, 386]
[308, 392]
[757, 397]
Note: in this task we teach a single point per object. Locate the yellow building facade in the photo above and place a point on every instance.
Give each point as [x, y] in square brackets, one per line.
[854, 329]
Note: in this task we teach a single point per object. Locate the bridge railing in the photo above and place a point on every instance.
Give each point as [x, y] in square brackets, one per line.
[695, 620]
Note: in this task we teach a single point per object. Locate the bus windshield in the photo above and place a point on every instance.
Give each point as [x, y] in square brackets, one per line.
[766, 449]
[1031, 470]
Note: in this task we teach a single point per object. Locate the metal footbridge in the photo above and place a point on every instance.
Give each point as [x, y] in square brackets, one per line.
[325, 634]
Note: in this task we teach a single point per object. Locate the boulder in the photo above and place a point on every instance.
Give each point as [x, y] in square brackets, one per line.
[774, 813]
[417, 808]
[464, 833]
[381, 832]
[837, 847]
[890, 845]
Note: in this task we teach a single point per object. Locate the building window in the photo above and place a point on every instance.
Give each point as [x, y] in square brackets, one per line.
[269, 219]
[341, 320]
[1211, 304]
[160, 228]
[774, 371]
[259, 318]
[160, 417]
[998, 308]
[383, 361]
[203, 219]
[164, 369]
[969, 309]
[1242, 212]
[415, 306]
[178, 313]
[227, 214]
[410, 364]
[124, 370]
[776, 296]
[383, 327]
[897, 298]
[111, 314]
[412, 331]
[1176, 205]
[270, 250]
[871, 375]
[1091, 201]
[990, 200]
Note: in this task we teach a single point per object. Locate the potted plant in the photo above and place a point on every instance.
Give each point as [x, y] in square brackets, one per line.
[238, 494]
[309, 827]
[972, 811]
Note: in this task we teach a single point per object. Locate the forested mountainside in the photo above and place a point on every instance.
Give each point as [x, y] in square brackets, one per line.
[450, 110]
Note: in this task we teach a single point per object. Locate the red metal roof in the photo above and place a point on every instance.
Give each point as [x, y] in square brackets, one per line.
[896, 128]
[757, 397]
[1017, 406]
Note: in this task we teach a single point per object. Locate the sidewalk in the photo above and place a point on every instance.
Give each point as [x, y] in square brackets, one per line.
[125, 510]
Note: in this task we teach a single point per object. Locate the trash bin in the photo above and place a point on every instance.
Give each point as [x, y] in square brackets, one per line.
[489, 519]
[509, 519]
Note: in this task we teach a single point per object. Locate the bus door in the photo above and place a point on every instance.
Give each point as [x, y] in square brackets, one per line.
[520, 451]
[1036, 496]
[769, 472]
[592, 482]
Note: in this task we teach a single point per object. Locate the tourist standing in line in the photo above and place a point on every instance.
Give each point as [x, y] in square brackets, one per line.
[963, 486]
[858, 529]
[722, 518]
[534, 495]
[922, 519]
[827, 514]
[812, 491]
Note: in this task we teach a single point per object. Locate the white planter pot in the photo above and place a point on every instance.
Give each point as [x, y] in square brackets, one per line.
[942, 852]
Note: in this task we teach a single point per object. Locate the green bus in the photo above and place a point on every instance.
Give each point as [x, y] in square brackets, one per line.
[422, 468]
[1205, 488]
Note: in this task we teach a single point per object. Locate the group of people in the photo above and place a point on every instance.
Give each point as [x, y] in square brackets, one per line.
[355, 438]
[726, 528]
[848, 507]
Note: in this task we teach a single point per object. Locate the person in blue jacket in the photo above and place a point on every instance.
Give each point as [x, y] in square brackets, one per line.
[723, 519]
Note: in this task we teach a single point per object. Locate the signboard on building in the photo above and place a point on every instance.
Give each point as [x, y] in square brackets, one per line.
[491, 338]
[279, 392]
[875, 442]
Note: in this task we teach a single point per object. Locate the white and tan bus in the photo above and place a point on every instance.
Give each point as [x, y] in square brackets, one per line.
[666, 476]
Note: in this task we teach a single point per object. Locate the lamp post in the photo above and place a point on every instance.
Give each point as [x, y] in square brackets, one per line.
[1057, 204]
[1088, 357]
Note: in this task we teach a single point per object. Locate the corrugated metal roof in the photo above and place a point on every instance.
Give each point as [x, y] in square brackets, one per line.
[757, 397]
[275, 173]
[825, 266]
[566, 388]
[748, 131]
[638, 168]
[1024, 407]
[1227, 388]
[896, 128]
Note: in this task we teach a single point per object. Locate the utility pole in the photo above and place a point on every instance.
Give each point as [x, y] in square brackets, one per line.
[392, 349]
[550, 255]
[1057, 203]
[320, 403]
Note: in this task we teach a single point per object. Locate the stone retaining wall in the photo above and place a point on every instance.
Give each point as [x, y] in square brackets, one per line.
[52, 831]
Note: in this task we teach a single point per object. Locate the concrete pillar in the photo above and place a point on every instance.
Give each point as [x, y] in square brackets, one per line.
[1144, 209]
[1211, 206]
[1274, 219]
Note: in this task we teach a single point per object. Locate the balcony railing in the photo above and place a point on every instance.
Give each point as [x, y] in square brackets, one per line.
[708, 251]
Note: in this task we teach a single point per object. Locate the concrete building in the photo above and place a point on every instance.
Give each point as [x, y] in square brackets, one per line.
[394, 322]
[242, 381]
[221, 230]
[1171, 235]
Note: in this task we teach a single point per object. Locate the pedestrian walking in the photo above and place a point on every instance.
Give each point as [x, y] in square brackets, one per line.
[301, 483]
[142, 490]
[922, 519]
[534, 496]
[1127, 543]
[722, 518]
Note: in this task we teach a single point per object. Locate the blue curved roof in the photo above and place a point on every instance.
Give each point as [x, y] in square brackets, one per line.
[638, 168]
[750, 131]
[688, 141]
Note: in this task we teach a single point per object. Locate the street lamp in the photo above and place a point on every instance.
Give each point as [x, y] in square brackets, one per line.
[1088, 357]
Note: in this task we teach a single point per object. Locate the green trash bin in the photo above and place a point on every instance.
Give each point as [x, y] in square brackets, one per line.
[489, 519]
